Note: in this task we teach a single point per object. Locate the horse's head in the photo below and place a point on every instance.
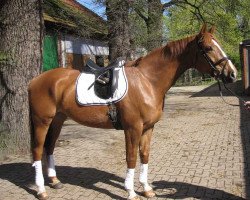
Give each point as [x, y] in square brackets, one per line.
[212, 59]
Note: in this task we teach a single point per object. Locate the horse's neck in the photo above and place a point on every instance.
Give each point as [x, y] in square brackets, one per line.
[163, 69]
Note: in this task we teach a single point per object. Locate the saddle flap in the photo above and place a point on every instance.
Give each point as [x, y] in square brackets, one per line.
[103, 85]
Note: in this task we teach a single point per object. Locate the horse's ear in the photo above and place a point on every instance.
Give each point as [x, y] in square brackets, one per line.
[212, 30]
[204, 28]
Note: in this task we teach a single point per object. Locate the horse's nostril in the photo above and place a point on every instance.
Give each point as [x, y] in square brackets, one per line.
[233, 75]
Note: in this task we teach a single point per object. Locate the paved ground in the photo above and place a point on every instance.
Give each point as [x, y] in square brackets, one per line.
[200, 150]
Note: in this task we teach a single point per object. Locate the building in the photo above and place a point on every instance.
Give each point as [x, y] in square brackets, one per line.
[73, 33]
[245, 64]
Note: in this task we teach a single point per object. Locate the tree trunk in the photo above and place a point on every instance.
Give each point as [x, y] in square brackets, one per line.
[21, 31]
[118, 26]
[154, 24]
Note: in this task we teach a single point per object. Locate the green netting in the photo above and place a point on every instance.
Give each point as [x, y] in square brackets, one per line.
[50, 57]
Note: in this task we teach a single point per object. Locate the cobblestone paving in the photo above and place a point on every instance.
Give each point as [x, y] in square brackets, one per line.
[200, 150]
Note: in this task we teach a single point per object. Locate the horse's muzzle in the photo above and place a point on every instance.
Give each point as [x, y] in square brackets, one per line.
[230, 78]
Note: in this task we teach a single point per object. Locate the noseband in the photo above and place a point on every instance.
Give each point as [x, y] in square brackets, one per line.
[208, 59]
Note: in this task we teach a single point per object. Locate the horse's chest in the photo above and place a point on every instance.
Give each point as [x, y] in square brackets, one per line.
[151, 116]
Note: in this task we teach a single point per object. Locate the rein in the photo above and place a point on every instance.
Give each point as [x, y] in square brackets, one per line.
[233, 93]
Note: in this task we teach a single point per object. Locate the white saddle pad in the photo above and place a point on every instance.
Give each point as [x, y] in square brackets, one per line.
[85, 94]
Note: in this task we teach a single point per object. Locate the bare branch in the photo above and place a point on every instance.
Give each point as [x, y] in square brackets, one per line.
[182, 3]
[198, 16]
[170, 3]
[144, 17]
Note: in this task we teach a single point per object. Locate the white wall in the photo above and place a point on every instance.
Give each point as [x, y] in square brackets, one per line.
[85, 46]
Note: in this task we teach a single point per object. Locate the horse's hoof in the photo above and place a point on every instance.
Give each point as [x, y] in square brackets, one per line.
[56, 184]
[42, 196]
[149, 194]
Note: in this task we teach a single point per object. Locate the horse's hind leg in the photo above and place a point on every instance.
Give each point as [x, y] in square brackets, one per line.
[144, 148]
[51, 138]
[40, 127]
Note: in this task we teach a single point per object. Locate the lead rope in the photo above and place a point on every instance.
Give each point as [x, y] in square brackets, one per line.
[233, 93]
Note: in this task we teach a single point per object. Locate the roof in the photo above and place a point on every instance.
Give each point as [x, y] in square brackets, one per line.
[246, 42]
[71, 16]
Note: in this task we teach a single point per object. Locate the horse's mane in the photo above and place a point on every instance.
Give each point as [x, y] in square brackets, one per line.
[172, 49]
[175, 48]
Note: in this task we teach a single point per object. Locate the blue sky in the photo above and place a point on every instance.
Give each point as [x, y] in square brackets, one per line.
[98, 9]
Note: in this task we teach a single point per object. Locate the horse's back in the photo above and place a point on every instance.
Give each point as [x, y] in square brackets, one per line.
[49, 78]
[53, 75]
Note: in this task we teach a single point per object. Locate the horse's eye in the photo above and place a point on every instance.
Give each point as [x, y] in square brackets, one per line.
[209, 48]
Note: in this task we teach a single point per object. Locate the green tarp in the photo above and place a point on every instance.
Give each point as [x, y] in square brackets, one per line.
[50, 56]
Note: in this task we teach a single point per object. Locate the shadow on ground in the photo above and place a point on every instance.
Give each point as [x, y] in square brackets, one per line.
[213, 90]
[22, 175]
[245, 140]
[244, 122]
[181, 190]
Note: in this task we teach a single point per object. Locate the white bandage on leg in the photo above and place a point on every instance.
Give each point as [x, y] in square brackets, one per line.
[39, 176]
[51, 166]
[129, 183]
[144, 177]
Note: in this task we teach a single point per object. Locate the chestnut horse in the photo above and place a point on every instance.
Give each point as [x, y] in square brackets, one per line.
[52, 97]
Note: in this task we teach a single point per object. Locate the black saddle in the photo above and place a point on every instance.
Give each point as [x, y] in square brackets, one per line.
[103, 77]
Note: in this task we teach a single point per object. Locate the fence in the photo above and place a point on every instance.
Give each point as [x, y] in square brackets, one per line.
[193, 77]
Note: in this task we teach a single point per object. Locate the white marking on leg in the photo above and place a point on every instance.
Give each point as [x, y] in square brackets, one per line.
[144, 177]
[129, 183]
[224, 55]
[39, 176]
[51, 166]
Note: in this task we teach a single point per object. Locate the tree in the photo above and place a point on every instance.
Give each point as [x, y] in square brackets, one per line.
[122, 25]
[151, 12]
[244, 19]
[21, 31]
[117, 12]
[180, 18]
[230, 17]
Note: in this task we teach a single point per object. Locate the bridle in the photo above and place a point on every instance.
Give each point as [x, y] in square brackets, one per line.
[213, 66]
[208, 59]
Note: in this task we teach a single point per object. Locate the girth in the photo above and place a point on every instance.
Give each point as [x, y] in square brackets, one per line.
[114, 116]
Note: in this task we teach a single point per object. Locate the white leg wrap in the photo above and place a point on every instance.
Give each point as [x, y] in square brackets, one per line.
[39, 176]
[129, 183]
[144, 177]
[51, 166]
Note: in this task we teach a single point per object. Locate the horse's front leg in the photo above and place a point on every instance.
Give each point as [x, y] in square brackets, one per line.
[51, 138]
[132, 138]
[144, 155]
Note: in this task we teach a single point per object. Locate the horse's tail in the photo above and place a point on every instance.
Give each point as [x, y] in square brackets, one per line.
[31, 127]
